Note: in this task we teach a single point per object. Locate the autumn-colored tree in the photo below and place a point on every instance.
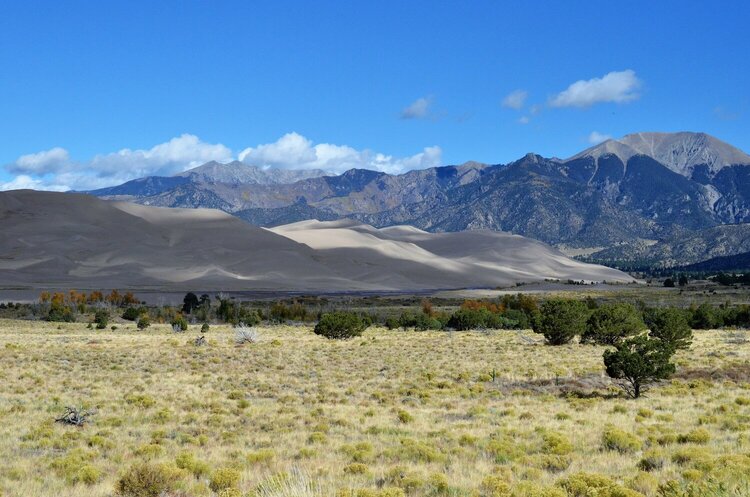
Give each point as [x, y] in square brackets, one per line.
[95, 296]
[58, 300]
[44, 297]
[476, 305]
[129, 299]
[427, 307]
[114, 298]
[77, 300]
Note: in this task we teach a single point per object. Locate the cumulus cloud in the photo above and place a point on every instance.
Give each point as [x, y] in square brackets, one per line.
[21, 182]
[419, 109]
[596, 138]
[294, 151]
[176, 155]
[54, 169]
[515, 99]
[48, 161]
[617, 87]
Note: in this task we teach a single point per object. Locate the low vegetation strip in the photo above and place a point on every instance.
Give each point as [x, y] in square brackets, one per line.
[387, 413]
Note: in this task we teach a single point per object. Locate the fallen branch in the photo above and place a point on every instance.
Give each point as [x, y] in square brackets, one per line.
[75, 416]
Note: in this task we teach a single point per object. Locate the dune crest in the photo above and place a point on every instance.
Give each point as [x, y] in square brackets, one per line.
[62, 240]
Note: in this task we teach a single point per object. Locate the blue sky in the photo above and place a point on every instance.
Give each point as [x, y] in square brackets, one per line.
[94, 93]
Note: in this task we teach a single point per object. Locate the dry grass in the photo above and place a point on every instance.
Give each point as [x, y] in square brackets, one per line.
[431, 413]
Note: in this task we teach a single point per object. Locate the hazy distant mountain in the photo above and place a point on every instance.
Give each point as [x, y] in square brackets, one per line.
[643, 188]
[239, 173]
[58, 240]
[355, 191]
[234, 173]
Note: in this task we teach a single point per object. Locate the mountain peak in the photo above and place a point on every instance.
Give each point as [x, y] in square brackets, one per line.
[237, 172]
[681, 152]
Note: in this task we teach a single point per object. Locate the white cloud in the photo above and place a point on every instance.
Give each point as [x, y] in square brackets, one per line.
[294, 151]
[54, 170]
[524, 120]
[290, 149]
[618, 87]
[515, 99]
[20, 182]
[596, 138]
[419, 109]
[48, 161]
[176, 155]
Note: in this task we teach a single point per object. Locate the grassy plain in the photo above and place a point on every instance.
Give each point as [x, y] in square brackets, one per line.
[430, 413]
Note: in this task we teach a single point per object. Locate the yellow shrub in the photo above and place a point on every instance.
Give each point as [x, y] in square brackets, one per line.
[224, 478]
[621, 441]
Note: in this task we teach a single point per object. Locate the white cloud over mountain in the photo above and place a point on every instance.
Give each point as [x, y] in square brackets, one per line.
[596, 138]
[617, 87]
[54, 169]
[294, 151]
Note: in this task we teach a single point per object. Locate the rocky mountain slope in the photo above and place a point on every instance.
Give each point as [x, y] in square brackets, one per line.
[684, 249]
[59, 240]
[641, 189]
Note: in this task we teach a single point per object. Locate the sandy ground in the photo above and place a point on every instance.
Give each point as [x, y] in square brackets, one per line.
[54, 240]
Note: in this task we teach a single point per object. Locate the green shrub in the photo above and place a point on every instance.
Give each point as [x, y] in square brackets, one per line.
[147, 480]
[405, 417]
[180, 322]
[697, 436]
[610, 323]
[495, 486]
[531, 489]
[340, 325]
[560, 320]
[143, 322]
[132, 313]
[205, 328]
[356, 468]
[706, 317]
[556, 444]
[472, 319]
[517, 319]
[188, 462]
[417, 320]
[417, 451]
[224, 478]
[621, 441]
[101, 318]
[61, 314]
[671, 326]
[359, 452]
[75, 466]
[260, 456]
[652, 460]
[281, 313]
[594, 485]
[87, 474]
[439, 482]
[638, 361]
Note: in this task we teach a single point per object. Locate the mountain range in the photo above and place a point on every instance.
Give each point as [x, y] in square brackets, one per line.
[61, 241]
[642, 197]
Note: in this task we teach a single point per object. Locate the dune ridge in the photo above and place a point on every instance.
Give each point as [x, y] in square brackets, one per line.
[62, 240]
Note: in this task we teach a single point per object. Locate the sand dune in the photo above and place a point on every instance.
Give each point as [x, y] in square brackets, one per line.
[459, 260]
[56, 240]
